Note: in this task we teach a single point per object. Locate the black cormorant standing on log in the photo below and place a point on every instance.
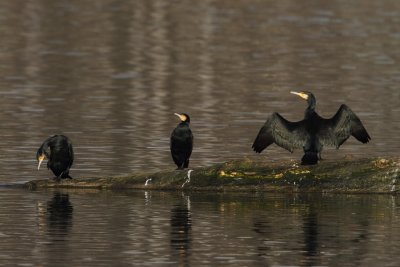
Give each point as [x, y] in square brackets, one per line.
[311, 133]
[182, 142]
[58, 151]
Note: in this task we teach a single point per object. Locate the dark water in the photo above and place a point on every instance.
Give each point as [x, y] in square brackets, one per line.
[111, 73]
[73, 228]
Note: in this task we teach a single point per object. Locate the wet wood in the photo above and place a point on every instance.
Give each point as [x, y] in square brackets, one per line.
[378, 175]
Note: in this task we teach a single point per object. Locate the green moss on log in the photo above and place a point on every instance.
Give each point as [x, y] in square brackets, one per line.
[377, 175]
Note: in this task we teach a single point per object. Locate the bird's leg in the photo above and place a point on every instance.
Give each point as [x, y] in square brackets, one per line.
[182, 166]
[186, 164]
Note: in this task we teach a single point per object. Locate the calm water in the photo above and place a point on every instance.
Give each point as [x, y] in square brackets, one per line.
[73, 228]
[111, 73]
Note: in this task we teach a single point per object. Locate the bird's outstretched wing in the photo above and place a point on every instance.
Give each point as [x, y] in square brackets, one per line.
[335, 131]
[286, 134]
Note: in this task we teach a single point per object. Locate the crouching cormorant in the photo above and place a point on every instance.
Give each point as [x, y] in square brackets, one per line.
[182, 142]
[58, 151]
[312, 133]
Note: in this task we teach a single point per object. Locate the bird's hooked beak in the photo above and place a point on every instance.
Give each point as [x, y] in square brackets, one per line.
[181, 116]
[301, 94]
[40, 159]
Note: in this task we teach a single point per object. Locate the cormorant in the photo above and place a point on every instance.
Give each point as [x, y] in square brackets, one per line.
[182, 142]
[311, 133]
[58, 150]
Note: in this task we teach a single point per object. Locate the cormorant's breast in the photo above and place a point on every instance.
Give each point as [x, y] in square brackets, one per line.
[313, 123]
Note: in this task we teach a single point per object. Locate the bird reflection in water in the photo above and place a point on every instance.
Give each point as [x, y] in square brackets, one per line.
[181, 227]
[311, 233]
[263, 229]
[54, 222]
[271, 235]
[59, 214]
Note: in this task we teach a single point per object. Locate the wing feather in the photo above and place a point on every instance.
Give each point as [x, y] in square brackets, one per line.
[345, 123]
[278, 130]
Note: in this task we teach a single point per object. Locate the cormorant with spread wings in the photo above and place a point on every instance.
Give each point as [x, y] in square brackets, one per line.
[312, 133]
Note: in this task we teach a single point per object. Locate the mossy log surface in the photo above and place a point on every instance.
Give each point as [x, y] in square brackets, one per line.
[378, 175]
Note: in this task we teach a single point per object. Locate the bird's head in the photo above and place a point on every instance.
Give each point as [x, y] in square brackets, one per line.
[303, 94]
[308, 96]
[40, 156]
[183, 117]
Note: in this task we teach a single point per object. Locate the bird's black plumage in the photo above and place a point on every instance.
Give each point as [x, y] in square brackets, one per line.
[59, 153]
[182, 142]
[312, 133]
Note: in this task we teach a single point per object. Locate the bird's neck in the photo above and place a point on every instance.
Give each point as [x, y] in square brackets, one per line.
[310, 110]
[45, 149]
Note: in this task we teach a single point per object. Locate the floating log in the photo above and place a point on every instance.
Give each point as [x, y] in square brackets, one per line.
[377, 175]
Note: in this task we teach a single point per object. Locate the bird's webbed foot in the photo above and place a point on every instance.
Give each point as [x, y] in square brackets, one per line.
[65, 175]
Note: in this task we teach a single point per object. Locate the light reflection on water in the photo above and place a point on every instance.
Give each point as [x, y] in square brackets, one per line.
[111, 74]
[80, 228]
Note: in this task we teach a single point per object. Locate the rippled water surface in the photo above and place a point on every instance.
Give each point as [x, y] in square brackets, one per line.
[111, 73]
[89, 228]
